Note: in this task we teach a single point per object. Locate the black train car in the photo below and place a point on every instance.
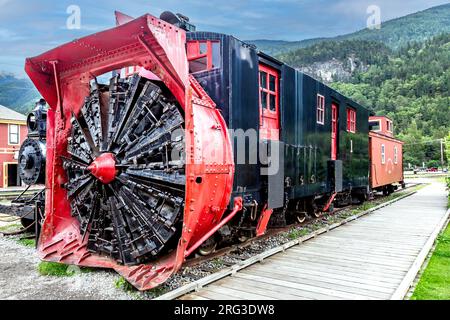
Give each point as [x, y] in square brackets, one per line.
[322, 134]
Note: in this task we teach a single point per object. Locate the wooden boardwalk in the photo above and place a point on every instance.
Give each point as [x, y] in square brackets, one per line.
[374, 257]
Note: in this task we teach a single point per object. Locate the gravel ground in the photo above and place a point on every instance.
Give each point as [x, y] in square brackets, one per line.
[19, 279]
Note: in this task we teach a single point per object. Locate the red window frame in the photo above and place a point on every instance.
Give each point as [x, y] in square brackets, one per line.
[320, 115]
[194, 53]
[351, 120]
[268, 92]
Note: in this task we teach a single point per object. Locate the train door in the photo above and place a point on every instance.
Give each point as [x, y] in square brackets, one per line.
[269, 102]
[334, 130]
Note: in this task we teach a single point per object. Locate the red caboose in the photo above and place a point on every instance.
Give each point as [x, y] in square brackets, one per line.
[386, 156]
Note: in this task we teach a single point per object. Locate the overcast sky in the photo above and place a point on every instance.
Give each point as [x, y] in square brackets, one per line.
[30, 27]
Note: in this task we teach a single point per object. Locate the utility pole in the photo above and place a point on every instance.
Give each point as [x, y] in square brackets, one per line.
[442, 154]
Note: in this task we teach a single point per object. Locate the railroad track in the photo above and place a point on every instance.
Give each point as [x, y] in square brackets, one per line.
[246, 262]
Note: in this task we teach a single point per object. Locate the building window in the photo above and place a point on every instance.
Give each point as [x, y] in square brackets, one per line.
[383, 154]
[13, 134]
[395, 155]
[351, 120]
[320, 109]
[268, 88]
[203, 55]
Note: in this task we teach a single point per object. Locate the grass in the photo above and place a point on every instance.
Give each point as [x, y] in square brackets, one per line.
[27, 242]
[122, 284]
[11, 227]
[297, 233]
[54, 269]
[435, 281]
[60, 270]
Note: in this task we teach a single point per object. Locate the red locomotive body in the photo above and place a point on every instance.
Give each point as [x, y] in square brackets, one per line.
[386, 156]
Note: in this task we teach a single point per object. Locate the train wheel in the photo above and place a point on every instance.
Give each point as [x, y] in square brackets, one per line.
[208, 247]
[126, 177]
[301, 217]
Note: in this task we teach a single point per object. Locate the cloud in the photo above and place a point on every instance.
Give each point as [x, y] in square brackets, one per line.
[8, 36]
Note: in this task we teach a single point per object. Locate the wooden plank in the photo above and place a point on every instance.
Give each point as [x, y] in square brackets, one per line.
[193, 297]
[240, 294]
[280, 292]
[293, 293]
[351, 260]
[253, 287]
[338, 285]
[369, 253]
[351, 248]
[311, 288]
[212, 295]
[337, 262]
[366, 256]
[348, 270]
[314, 274]
[324, 243]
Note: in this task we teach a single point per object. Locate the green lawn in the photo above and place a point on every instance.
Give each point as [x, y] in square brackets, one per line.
[435, 281]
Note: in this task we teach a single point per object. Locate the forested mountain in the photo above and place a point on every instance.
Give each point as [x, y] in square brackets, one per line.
[394, 33]
[413, 88]
[17, 94]
[337, 60]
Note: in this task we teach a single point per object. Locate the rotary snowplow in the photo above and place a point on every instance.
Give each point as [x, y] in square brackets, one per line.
[139, 170]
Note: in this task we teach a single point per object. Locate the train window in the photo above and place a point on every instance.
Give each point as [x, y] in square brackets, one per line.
[13, 134]
[389, 126]
[269, 102]
[375, 125]
[203, 55]
[320, 109]
[268, 87]
[395, 155]
[263, 79]
[203, 47]
[383, 154]
[351, 120]
[197, 65]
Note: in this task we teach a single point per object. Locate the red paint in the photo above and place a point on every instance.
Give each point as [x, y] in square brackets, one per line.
[329, 202]
[263, 221]
[237, 207]
[160, 48]
[389, 171]
[386, 126]
[351, 120]
[334, 130]
[202, 51]
[269, 111]
[104, 168]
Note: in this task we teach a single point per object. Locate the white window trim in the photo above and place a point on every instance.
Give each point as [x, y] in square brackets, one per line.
[395, 155]
[390, 128]
[383, 154]
[317, 110]
[379, 125]
[9, 135]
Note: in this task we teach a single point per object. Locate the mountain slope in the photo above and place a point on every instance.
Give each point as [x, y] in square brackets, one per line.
[413, 88]
[394, 33]
[337, 60]
[17, 94]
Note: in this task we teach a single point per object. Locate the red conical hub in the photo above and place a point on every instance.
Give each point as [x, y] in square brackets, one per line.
[104, 168]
